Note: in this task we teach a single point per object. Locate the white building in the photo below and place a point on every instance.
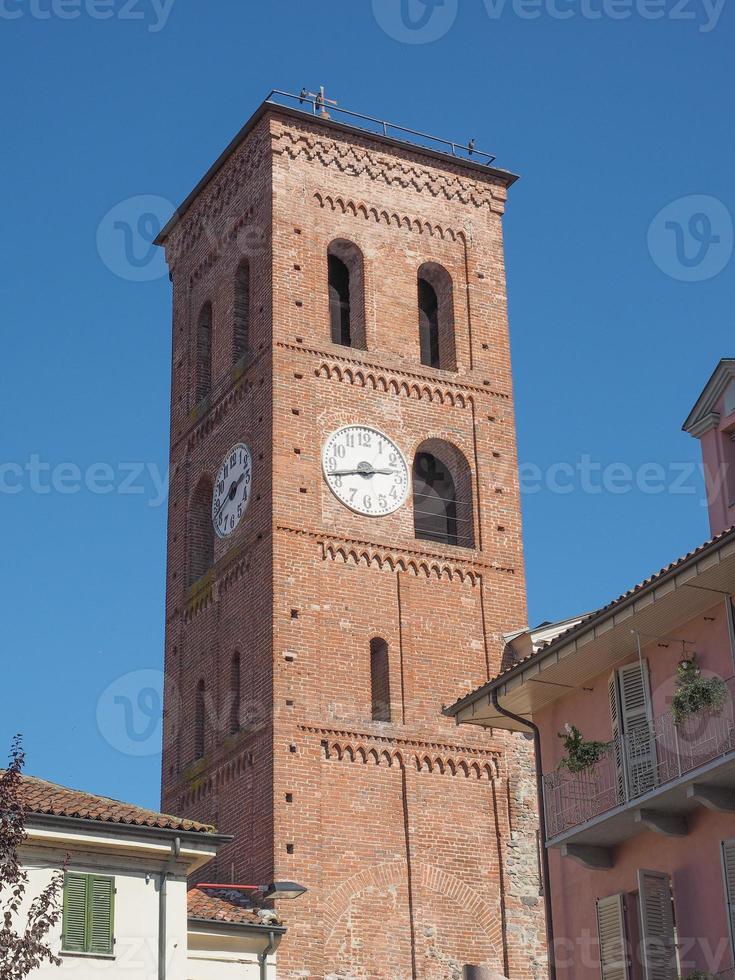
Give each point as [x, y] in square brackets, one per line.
[127, 912]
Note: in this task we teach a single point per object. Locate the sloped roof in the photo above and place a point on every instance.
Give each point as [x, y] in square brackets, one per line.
[699, 418]
[595, 617]
[222, 905]
[43, 797]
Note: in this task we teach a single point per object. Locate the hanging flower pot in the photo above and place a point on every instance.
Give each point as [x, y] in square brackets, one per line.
[695, 693]
[581, 755]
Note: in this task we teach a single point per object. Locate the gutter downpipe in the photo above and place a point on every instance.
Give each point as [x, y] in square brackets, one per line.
[263, 957]
[545, 874]
[170, 864]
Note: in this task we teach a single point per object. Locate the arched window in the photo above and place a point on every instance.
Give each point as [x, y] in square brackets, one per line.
[241, 324]
[201, 532]
[380, 679]
[442, 494]
[199, 720]
[346, 294]
[436, 317]
[203, 378]
[235, 694]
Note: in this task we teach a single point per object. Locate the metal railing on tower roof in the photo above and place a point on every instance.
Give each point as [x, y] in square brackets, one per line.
[322, 107]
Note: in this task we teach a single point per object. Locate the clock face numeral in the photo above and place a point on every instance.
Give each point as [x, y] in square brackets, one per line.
[232, 486]
[365, 470]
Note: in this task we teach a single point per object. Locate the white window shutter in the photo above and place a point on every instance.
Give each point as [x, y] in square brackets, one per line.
[658, 943]
[637, 724]
[728, 863]
[613, 939]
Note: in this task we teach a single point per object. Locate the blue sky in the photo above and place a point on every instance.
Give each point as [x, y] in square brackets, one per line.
[611, 110]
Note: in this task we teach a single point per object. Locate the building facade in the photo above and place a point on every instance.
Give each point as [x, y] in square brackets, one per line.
[344, 547]
[635, 711]
[127, 911]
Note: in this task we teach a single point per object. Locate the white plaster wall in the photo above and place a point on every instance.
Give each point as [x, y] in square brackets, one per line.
[217, 957]
[135, 924]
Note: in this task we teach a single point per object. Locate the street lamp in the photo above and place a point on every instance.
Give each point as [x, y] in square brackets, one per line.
[276, 890]
[283, 889]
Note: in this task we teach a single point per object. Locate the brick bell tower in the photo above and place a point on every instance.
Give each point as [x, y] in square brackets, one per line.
[344, 547]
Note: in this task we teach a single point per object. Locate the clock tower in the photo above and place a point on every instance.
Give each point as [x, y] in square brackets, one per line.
[344, 546]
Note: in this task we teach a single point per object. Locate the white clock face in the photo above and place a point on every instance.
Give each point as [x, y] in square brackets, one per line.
[365, 470]
[231, 494]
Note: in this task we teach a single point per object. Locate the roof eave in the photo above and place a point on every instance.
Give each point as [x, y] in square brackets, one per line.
[50, 821]
[220, 925]
[535, 662]
[696, 422]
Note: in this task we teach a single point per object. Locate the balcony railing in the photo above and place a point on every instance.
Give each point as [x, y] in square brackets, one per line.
[652, 755]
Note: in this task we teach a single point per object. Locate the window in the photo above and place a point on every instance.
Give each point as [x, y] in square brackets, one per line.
[241, 324]
[380, 679]
[633, 742]
[346, 294]
[88, 914]
[201, 532]
[199, 720]
[235, 694]
[442, 494]
[203, 379]
[436, 317]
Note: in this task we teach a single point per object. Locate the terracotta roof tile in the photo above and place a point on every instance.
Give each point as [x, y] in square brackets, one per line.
[222, 905]
[41, 796]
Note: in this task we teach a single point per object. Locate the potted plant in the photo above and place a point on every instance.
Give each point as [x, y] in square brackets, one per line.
[581, 755]
[695, 693]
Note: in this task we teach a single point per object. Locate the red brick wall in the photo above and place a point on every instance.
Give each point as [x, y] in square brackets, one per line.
[416, 839]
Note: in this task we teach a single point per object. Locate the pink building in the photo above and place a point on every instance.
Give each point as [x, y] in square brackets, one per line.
[638, 821]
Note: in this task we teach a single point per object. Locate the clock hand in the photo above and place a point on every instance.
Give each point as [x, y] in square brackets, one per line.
[363, 472]
[230, 493]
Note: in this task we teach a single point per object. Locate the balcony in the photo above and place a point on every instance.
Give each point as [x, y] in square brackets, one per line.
[649, 780]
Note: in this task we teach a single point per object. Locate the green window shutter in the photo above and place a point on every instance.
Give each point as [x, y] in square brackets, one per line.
[74, 919]
[657, 926]
[613, 938]
[100, 914]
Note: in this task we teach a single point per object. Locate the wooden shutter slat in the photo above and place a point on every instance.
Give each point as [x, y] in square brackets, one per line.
[613, 939]
[617, 739]
[728, 861]
[635, 712]
[101, 901]
[74, 917]
[657, 926]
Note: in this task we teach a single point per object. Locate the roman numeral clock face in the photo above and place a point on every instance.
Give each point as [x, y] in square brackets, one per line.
[365, 470]
[231, 494]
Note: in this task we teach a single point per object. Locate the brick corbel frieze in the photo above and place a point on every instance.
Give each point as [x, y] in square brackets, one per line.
[394, 380]
[202, 216]
[221, 577]
[439, 757]
[358, 158]
[421, 226]
[398, 559]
